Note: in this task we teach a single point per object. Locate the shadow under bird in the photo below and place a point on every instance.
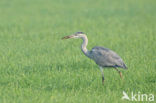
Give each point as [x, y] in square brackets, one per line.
[102, 56]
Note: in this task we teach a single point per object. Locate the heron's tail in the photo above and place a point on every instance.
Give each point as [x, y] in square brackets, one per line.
[124, 66]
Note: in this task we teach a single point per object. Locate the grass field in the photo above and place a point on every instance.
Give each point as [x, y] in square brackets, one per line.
[36, 66]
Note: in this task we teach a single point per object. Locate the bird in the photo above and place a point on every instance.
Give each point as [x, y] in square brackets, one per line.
[103, 57]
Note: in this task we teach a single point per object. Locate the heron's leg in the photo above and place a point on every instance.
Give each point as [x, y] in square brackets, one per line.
[119, 72]
[101, 69]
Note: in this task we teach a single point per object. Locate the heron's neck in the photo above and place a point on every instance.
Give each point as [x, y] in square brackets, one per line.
[84, 45]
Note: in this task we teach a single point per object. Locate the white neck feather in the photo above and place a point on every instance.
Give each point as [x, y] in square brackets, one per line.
[84, 44]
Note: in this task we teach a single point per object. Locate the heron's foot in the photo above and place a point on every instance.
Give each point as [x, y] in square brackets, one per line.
[102, 80]
[120, 75]
[119, 72]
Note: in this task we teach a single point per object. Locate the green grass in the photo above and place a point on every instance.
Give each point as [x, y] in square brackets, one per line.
[36, 66]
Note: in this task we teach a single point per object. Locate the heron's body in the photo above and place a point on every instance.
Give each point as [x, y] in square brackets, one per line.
[106, 58]
[102, 56]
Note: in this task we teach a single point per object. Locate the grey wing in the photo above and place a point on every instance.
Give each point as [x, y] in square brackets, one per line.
[106, 58]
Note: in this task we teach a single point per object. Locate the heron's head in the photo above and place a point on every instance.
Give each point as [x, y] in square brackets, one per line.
[75, 35]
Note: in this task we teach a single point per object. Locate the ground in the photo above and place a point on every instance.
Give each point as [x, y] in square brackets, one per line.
[36, 66]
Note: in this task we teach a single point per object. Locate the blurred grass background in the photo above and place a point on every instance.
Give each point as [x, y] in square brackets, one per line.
[36, 66]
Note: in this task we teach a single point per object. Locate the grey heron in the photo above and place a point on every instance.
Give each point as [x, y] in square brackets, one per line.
[103, 57]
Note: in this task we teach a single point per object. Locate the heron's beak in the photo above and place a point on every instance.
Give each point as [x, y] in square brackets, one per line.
[67, 37]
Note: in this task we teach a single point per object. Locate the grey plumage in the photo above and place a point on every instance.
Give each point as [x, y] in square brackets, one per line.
[106, 58]
[102, 56]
